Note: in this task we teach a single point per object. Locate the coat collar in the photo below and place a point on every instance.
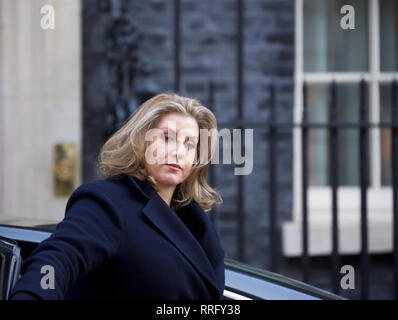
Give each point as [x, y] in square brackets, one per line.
[189, 229]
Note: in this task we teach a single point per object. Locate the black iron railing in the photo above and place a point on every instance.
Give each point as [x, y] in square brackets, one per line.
[334, 127]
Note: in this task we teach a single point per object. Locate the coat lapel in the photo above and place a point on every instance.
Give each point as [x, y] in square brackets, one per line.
[190, 230]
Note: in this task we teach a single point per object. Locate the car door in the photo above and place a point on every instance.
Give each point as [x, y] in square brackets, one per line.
[10, 264]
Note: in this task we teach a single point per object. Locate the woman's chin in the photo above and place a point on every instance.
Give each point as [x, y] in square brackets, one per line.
[168, 180]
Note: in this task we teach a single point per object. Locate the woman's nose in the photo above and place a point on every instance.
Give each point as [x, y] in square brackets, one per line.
[178, 151]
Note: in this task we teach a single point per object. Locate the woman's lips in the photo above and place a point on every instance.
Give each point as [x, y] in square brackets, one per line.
[174, 166]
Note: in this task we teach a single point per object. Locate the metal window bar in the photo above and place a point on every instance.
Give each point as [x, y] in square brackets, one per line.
[304, 193]
[240, 99]
[334, 169]
[272, 156]
[394, 172]
[212, 173]
[364, 182]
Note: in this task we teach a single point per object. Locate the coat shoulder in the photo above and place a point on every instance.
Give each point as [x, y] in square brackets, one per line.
[114, 189]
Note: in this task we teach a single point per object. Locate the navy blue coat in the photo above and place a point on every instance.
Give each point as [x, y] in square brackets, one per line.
[120, 240]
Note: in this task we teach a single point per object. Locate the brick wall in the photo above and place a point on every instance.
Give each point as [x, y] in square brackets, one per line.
[208, 52]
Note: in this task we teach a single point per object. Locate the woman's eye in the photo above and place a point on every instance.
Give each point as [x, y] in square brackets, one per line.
[167, 138]
[191, 146]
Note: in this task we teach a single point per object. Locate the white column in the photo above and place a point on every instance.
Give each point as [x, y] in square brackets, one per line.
[40, 103]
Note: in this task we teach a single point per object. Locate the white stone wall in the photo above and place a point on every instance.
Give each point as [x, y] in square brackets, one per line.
[40, 103]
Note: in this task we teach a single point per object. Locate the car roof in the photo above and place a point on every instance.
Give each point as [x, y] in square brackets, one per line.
[287, 283]
[30, 223]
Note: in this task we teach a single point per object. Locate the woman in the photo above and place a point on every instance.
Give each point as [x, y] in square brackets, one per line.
[142, 231]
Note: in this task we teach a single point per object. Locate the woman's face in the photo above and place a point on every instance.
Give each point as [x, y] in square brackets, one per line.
[172, 142]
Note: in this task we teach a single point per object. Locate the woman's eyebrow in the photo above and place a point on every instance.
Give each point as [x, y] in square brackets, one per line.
[168, 129]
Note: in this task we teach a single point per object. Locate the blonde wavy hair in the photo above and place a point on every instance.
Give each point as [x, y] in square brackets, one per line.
[124, 152]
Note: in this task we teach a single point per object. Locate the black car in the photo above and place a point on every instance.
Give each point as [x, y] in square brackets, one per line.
[242, 282]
